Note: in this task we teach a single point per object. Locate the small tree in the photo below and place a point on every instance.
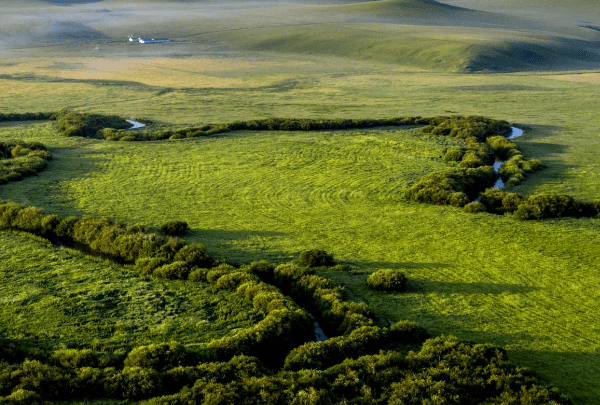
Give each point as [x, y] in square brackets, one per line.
[316, 258]
[174, 228]
[387, 280]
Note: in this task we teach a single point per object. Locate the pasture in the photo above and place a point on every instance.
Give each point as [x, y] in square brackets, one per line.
[530, 287]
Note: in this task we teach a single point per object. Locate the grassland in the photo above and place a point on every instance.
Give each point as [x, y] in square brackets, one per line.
[529, 287]
[57, 297]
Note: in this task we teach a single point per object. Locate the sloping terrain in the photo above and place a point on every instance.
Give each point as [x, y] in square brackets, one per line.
[457, 35]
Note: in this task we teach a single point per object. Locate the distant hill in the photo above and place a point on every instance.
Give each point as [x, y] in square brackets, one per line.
[447, 35]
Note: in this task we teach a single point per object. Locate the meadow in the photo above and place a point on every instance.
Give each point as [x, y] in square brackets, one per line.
[527, 286]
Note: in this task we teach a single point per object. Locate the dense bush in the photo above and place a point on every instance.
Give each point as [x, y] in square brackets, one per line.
[87, 125]
[4, 117]
[318, 294]
[554, 206]
[536, 206]
[316, 258]
[174, 228]
[387, 280]
[361, 341]
[20, 159]
[455, 187]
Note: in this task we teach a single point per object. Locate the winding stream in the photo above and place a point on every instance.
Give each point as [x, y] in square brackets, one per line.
[516, 132]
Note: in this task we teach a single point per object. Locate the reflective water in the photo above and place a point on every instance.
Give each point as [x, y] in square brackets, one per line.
[136, 124]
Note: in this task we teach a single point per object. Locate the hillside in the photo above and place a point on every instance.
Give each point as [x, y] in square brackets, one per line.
[449, 36]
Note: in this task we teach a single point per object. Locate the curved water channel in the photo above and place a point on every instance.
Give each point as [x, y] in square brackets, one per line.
[516, 132]
[136, 124]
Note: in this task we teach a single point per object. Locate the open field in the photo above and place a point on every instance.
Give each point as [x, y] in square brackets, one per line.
[530, 287]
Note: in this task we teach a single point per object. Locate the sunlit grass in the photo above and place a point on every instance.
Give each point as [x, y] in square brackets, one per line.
[53, 296]
[530, 287]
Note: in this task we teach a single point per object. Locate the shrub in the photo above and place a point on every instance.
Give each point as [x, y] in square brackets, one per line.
[231, 281]
[22, 397]
[66, 227]
[316, 258]
[72, 358]
[174, 228]
[474, 207]
[387, 280]
[215, 273]
[195, 255]
[173, 271]
[198, 275]
[134, 383]
[453, 154]
[159, 356]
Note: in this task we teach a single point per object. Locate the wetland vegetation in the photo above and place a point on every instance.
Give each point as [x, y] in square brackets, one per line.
[287, 220]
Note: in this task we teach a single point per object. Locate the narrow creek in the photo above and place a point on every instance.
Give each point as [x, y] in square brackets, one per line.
[516, 132]
[319, 334]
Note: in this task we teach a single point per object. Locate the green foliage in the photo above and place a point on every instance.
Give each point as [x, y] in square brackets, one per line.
[134, 383]
[387, 280]
[87, 125]
[361, 341]
[536, 207]
[20, 159]
[553, 206]
[160, 356]
[4, 117]
[174, 228]
[316, 258]
[455, 187]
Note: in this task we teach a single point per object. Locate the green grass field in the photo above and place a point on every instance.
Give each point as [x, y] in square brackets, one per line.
[530, 287]
[55, 297]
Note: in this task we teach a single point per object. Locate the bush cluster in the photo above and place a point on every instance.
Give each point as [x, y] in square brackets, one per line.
[316, 258]
[20, 159]
[269, 124]
[174, 228]
[455, 187]
[539, 206]
[445, 369]
[319, 295]
[39, 116]
[387, 280]
[87, 125]
[361, 341]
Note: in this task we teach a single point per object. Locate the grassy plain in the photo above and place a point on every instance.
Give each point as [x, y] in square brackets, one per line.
[56, 297]
[530, 287]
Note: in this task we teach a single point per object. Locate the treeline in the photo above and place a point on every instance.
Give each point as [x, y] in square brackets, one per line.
[39, 116]
[539, 206]
[268, 124]
[444, 369]
[20, 159]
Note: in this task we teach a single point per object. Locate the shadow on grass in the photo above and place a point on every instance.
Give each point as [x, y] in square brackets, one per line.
[574, 374]
[240, 247]
[443, 287]
[396, 265]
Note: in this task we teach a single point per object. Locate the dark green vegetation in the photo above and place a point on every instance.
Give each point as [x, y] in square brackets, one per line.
[21, 159]
[87, 125]
[387, 280]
